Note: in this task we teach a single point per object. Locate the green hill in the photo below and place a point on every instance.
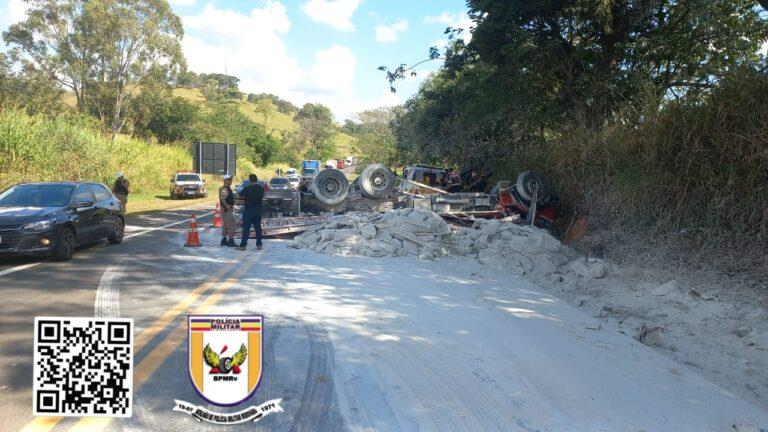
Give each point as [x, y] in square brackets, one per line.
[277, 122]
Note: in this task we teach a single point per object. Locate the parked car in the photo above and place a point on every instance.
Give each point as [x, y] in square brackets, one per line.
[295, 182]
[279, 183]
[243, 185]
[291, 172]
[187, 184]
[56, 217]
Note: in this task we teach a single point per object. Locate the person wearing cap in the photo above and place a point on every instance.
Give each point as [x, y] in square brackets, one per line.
[227, 204]
[121, 189]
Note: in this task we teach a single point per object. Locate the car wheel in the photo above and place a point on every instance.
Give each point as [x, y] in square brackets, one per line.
[118, 231]
[65, 244]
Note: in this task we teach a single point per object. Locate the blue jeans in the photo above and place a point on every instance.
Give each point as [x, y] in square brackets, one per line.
[251, 216]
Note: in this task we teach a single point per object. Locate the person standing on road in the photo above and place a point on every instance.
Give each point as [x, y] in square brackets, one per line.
[252, 196]
[227, 204]
[121, 189]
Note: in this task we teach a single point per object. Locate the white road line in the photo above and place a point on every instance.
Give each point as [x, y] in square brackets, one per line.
[107, 302]
[18, 268]
[30, 265]
[166, 226]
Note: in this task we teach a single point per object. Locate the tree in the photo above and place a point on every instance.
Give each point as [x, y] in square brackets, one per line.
[375, 139]
[53, 39]
[31, 89]
[101, 50]
[316, 128]
[597, 56]
[264, 108]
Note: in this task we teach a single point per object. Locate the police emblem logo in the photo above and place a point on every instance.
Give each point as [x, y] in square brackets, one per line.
[225, 356]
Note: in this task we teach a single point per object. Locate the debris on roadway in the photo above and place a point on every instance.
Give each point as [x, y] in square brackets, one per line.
[521, 249]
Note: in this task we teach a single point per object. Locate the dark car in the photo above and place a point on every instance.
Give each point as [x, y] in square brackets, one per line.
[279, 183]
[54, 218]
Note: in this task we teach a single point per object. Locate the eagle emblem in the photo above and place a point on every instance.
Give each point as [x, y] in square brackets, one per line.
[224, 365]
[225, 356]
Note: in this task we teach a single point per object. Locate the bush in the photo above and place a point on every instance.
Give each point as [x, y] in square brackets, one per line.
[70, 147]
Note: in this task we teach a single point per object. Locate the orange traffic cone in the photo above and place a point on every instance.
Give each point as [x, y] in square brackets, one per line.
[193, 240]
[217, 223]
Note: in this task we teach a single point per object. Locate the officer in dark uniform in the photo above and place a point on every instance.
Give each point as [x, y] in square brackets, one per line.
[252, 196]
[227, 204]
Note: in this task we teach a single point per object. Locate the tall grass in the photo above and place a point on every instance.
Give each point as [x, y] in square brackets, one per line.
[691, 177]
[71, 147]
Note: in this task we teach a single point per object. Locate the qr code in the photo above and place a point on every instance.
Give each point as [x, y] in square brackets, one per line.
[83, 366]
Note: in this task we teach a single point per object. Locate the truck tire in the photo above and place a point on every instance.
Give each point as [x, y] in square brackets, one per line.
[330, 187]
[527, 183]
[376, 181]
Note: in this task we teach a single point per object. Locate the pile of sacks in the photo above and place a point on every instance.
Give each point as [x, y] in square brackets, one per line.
[396, 233]
[521, 249]
[502, 243]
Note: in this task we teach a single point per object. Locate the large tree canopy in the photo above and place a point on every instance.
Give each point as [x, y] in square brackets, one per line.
[99, 49]
[598, 55]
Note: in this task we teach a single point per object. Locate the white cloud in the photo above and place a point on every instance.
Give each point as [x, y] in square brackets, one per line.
[13, 12]
[388, 33]
[455, 20]
[182, 2]
[250, 46]
[334, 13]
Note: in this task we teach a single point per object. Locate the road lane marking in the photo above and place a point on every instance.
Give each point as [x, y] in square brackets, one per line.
[163, 350]
[44, 424]
[182, 306]
[148, 230]
[107, 303]
[18, 268]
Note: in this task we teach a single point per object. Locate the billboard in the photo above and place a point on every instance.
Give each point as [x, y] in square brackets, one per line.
[214, 158]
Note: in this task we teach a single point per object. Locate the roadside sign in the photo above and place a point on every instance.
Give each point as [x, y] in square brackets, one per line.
[214, 158]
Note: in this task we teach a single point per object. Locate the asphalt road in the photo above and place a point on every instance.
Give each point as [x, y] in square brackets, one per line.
[352, 343]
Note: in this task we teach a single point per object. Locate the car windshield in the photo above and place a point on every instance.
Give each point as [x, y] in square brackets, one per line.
[37, 195]
[278, 181]
[187, 177]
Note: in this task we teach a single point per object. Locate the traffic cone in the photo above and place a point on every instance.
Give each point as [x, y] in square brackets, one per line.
[193, 240]
[217, 222]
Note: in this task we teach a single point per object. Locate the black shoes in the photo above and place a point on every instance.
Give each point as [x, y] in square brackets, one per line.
[231, 243]
[223, 242]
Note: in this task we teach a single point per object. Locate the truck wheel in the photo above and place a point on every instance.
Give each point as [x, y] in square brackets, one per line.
[376, 181]
[330, 187]
[65, 244]
[527, 183]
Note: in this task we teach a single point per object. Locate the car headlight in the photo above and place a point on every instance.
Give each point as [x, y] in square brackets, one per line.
[38, 226]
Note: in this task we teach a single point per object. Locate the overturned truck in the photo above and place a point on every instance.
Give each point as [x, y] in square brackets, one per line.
[377, 189]
[331, 191]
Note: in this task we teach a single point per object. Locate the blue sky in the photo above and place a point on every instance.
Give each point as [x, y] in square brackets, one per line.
[310, 50]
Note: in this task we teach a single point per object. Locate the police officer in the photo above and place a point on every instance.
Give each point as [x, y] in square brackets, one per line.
[121, 189]
[227, 204]
[252, 196]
